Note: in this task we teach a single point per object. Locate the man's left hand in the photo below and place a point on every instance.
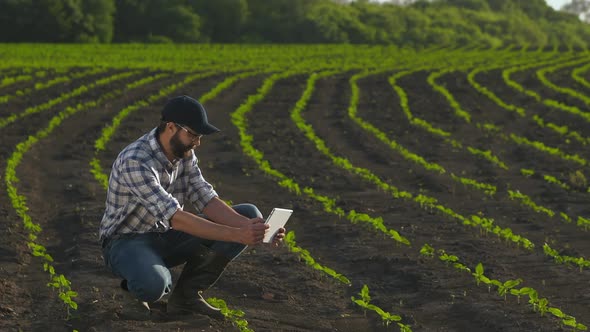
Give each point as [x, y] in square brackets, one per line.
[278, 238]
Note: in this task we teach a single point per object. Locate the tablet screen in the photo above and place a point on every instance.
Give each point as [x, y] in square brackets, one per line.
[278, 218]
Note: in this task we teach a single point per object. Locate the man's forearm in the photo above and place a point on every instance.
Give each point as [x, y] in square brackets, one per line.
[222, 213]
[203, 228]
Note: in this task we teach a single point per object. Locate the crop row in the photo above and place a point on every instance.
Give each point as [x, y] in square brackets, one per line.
[524, 199]
[318, 143]
[19, 202]
[365, 299]
[7, 81]
[506, 287]
[264, 165]
[63, 97]
[546, 101]
[562, 130]
[330, 205]
[100, 145]
[476, 220]
[44, 85]
[485, 187]
[108, 131]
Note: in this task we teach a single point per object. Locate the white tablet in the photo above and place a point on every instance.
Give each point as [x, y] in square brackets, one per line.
[276, 219]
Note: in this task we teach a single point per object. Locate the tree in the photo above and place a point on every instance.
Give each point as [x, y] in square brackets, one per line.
[453, 21]
[155, 21]
[417, 24]
[56, 20]
[278, 21]
[387, 20]
[400, 2]
[332, 23]
[532, 8]
[222, 20]
[521, 30]
[580, 8]
[97, 24]
[469, 4]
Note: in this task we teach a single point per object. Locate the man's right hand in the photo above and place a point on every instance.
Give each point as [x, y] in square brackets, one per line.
[252, 231]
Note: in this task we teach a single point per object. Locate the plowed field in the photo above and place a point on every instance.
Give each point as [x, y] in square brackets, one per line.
[276, 289]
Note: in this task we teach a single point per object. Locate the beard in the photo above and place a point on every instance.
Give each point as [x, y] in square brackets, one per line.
[179, 149]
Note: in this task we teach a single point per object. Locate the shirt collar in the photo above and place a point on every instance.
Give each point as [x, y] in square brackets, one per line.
[158, 151]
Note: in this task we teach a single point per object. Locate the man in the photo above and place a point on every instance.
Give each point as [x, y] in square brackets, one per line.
[145, 231]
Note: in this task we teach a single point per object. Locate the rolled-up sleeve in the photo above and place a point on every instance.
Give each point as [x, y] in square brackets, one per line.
[201, 191]
[144, 184]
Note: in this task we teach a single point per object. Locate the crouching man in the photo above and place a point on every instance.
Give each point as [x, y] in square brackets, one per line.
[145, 231]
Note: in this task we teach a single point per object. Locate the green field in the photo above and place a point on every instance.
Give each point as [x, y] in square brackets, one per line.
[435, 190]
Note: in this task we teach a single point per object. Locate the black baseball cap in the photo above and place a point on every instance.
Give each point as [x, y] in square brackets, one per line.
[189, 112]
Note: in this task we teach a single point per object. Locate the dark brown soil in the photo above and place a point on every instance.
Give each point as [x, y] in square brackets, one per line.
[276, 290]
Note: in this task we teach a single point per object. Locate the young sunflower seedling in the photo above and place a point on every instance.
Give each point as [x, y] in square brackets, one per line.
[480, 277]
[503, 288]
[235, 316]
[523, 291]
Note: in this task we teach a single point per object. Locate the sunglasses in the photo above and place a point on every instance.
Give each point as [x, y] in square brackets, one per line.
[194, 137]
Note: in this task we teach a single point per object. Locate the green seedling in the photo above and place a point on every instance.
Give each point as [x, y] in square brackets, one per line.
[554, 180]
[509, 287]
[505, 287]
[306, 257]
[235, 316]
[571, 322]
[427, 250]
[387, 318]
[583, 222]
[443, 256]
[480, 277]
[522, 292]
[526, 200]
[542, 304]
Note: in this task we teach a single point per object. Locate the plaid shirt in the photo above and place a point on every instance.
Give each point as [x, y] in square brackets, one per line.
[146, 189]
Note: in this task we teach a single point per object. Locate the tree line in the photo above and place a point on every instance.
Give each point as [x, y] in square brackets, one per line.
[405, 23]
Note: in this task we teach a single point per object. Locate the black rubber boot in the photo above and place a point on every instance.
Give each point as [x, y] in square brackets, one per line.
[199, 273]
[132, 308]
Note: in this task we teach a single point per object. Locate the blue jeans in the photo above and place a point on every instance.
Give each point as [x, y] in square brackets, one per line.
[144, 259]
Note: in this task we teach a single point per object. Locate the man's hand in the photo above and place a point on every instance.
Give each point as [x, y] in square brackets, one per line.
[252, 231]
[278, 239]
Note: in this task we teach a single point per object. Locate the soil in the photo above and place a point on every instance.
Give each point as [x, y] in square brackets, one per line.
[275, 289]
